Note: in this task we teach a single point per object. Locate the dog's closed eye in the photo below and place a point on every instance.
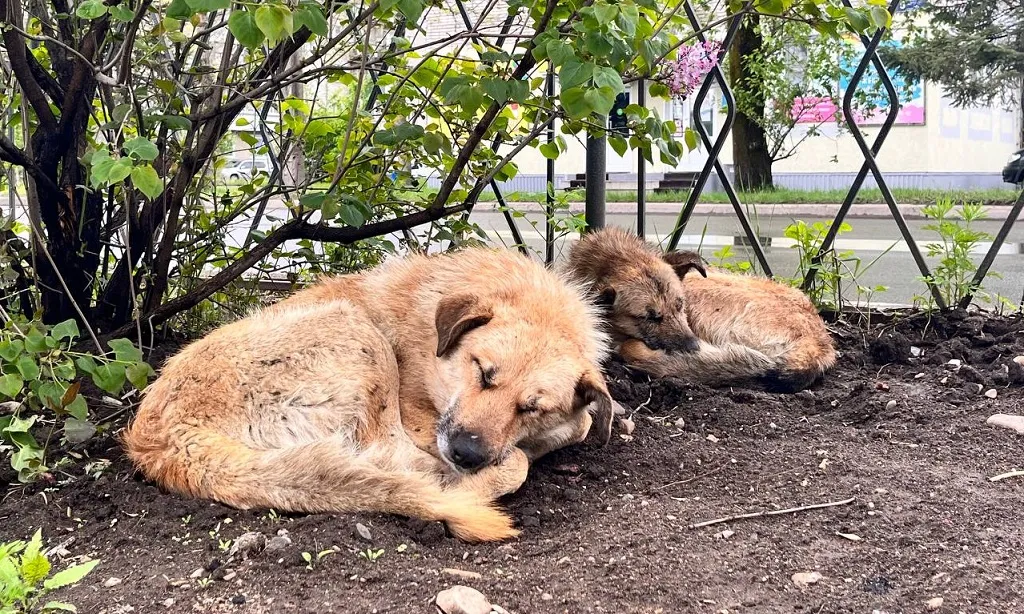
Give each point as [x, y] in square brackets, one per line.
[653, 316]
[486, 374]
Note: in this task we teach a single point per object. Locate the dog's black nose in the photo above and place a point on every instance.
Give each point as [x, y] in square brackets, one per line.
[467, 451]
[688, 344]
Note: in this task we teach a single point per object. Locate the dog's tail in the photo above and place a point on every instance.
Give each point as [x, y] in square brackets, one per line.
[323, 476]
[801, 363]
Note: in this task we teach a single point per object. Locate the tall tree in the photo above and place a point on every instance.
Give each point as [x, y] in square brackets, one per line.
[974, 49]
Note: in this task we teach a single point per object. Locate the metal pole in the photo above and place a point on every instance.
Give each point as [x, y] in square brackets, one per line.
[597, 149]
[641, 170]
[549, 222]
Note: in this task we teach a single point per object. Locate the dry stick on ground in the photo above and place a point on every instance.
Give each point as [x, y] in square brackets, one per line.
[1003, 476]
[791, 510]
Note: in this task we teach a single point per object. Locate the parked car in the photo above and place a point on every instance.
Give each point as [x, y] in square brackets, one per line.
[1013, 172]
[243, 170]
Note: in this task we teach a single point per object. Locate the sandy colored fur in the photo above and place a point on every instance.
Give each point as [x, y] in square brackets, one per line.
[751, 330]
[331, 400]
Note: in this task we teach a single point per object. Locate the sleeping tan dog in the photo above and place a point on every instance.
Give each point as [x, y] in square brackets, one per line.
[422, 388]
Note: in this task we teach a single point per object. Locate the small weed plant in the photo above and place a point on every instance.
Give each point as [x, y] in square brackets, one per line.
[25, 579]
[957, 238]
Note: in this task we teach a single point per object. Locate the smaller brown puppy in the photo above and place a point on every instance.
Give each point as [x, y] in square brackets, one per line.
[716, 328]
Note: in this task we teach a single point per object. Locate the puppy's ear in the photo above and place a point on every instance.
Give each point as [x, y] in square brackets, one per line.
[591, 391]
[682, 262]
[606, 296]
[457, 315]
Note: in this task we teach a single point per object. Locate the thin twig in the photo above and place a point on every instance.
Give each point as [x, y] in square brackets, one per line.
[1003, 476]
[693, 479]
[791, 510]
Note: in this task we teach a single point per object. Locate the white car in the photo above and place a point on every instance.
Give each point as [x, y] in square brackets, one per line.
[242, 170]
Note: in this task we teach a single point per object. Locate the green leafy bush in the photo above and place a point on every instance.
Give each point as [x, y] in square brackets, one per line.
[40, 378]
[25, 578]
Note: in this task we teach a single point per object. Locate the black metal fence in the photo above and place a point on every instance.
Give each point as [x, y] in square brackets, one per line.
[596, 164]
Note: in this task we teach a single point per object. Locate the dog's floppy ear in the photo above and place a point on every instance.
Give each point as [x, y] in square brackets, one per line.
[457, 315]
[682, 262]
[606, 296]
[592, 392]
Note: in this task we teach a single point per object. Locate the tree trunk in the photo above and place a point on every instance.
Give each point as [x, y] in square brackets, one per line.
[751, 158]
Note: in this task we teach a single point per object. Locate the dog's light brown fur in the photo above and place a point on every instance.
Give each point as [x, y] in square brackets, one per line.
[345, 396]
[718, 330]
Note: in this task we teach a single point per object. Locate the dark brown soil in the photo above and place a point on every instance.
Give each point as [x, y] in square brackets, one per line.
[605, 529]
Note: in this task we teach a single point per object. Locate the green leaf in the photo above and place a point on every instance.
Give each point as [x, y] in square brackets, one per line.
[574, 74]
[208, 6]
[69, 576]
[138, 374]
[497, 89]
[59, 606]
[771, 7]
[605, 13]
[78, 431]
[11, 385]
[312, 17]
[125, 350]
[79, 408]
[243, 26]
[412, 9]
[692, 139]
[28, 368]
[147, 181]
[68, 329]
[549, 151]
[34, 566]
[141, 148]
[119, 171]
[519, 91]
[274, 21]
[560, 52]
[618, 144]
[91, 9]
[179, 9]
[87, 364]
[351, 215]
[432, 142]
[859, 21]
[575, 103]
[110, 377]
[121, 13]
[35, 341]
[609, 77]
[601, 100]
[174, 122]
[10, 349]
[880, 17]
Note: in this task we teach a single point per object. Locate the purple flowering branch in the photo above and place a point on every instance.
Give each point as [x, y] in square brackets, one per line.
[695, 61]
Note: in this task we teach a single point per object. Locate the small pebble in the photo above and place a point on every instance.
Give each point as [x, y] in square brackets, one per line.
[1008, 421]
[725, 534]
[247, 544]
[281, 542]
[991, 393]
[712, 439]
[198, 573]
[627, 425]
[112, 582]
[934, 604]
[462, 600]
[806, 578]
[363, 532]
[891, 405]
[680, 423]
[167, 603]
[238, 599]
[546, 597]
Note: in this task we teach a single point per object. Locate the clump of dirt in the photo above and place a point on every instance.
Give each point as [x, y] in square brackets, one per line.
[897, 427]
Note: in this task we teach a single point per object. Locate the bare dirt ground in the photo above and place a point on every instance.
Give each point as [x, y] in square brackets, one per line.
[895, 428]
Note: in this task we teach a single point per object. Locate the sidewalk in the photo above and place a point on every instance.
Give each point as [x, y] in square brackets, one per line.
[862, 211]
